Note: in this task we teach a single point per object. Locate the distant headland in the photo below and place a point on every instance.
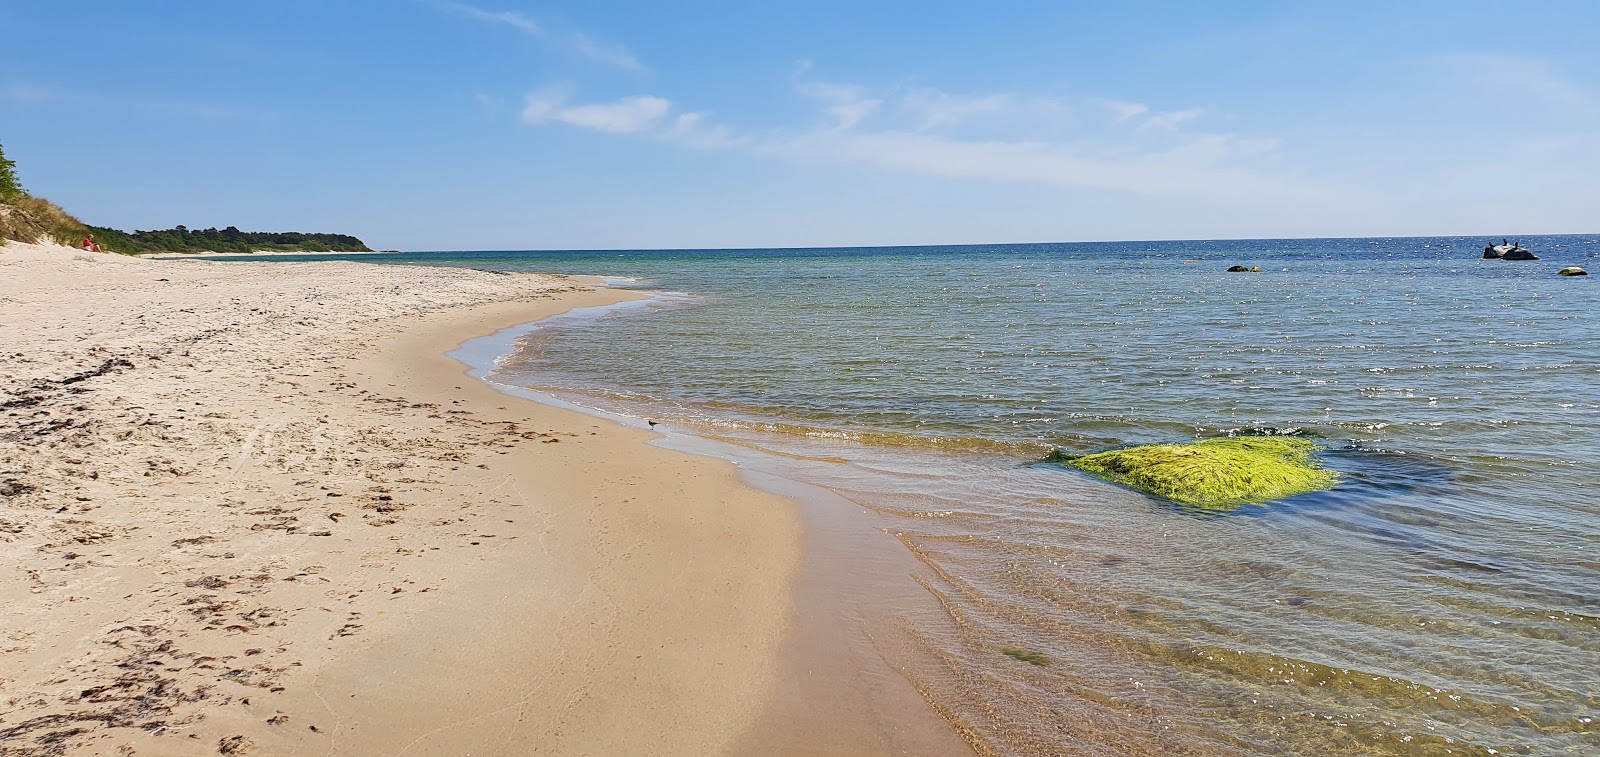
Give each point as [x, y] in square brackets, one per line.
[26, 218]
[185, 240]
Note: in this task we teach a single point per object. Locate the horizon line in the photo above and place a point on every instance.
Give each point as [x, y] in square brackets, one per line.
[983, 244]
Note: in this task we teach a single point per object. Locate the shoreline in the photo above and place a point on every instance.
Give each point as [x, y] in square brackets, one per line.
[845, 662]
[262, 254]
[365, 551]
[1085, 616]
[669, 701]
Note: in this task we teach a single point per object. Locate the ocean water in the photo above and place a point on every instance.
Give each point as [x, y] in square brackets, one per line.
[1443, 599]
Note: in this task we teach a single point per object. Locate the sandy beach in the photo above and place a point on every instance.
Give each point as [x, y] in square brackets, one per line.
[259, 254]
[255, 509]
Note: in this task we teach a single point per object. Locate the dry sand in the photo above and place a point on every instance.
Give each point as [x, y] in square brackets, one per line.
[252, 509]
[257, 254]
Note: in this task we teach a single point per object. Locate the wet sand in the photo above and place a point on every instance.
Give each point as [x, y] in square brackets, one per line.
[255, 509]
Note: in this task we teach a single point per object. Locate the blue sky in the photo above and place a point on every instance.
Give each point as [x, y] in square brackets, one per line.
[504, 124]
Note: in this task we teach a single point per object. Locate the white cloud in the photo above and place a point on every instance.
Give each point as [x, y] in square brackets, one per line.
[928, 109]
[1205, 167]
[1003, 115]
[692, 130]
[490, 104]
[583, 44]
[1171, 121]
[935, 109]
[1141, 116]
[1123, 111]
[544, 104]
[509, 18]
[615, 55]
[625, 116]
[846, 104]
[1130, 149]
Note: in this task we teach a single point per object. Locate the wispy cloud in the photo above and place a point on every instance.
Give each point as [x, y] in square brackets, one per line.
[579, 42]
[30, 94]
[931, 109]
[625, 116]
[1171, 121]
[1094, 144]
[1520, 81]
[1122, 111]
[1211, 166]
[509, 18]
[845, 105]
[543, 104]
[39, 95]
[489, 103]
[615, 55]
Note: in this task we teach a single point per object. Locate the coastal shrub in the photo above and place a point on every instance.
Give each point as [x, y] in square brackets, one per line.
[1217, 474]
[9, 186]
[25, 218]
[231, 239]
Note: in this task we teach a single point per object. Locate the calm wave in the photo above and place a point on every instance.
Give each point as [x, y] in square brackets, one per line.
[1444, 599]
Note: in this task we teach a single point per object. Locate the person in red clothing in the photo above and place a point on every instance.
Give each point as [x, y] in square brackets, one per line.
[88, 244]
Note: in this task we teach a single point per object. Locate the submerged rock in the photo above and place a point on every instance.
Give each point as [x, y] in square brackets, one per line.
[1216, 474]
[1238, 269]
[1572, 271]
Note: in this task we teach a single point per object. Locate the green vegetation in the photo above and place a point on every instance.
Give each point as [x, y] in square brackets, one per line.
[1216, 474]
[31, 219]
[9, 186]
[182, 239]
[1032, 658]
[25, 218]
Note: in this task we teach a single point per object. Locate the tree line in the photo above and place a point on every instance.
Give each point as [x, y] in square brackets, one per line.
[231, 239]
[26, 218]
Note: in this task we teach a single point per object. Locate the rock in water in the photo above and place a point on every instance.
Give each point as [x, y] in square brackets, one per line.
[1573, 271]
[1508, 252]
[1216, 474]
[1238, 269]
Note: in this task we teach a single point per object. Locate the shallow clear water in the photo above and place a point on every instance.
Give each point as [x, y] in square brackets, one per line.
[1444, 599]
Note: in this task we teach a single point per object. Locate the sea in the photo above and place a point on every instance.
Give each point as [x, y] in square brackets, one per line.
[1443, 598]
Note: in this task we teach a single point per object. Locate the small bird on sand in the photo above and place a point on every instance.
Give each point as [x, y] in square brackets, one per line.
[653, 424]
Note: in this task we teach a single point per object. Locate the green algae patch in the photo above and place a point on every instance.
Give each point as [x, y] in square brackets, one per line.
[1032, 658]
[1216, 474]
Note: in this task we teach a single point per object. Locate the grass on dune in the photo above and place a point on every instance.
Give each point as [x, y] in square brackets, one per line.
[1217, 474]
[29, 219]
[26, 218]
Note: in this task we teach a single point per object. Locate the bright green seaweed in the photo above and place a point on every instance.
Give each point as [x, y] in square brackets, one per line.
[1216, 474]
[1032, 658]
